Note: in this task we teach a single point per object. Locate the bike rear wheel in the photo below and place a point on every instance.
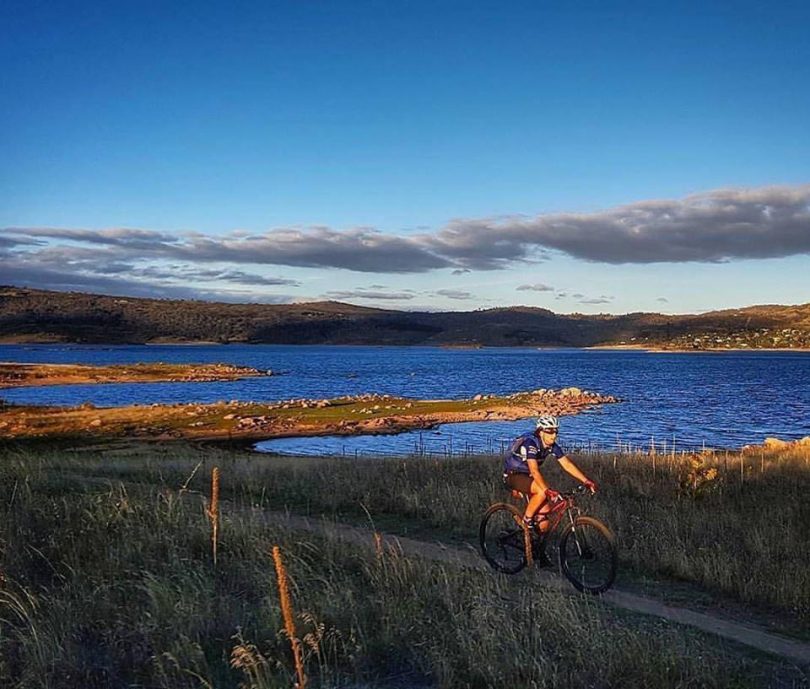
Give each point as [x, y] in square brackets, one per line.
[588, 555]
[502, 538]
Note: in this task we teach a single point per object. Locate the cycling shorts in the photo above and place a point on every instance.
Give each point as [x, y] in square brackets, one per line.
[518, 481]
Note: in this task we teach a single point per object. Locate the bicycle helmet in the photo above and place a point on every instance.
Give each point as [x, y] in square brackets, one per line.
[547, 422]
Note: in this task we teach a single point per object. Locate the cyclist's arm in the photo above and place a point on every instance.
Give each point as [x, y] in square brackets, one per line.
[537, 477]
[572, 469]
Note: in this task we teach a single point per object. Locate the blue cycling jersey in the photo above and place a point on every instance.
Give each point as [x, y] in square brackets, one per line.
[525, 447]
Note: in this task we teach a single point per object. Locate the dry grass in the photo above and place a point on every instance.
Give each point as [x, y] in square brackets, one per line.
[110, 583]
[731, 524]
[289, 617]
[213, 512]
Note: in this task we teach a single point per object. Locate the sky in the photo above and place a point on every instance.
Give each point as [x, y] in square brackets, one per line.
[591, 157]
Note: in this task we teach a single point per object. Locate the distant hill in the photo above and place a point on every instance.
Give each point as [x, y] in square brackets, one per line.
[30, 315]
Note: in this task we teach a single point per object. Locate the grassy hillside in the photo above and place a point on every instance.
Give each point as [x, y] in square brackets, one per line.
[28, 315]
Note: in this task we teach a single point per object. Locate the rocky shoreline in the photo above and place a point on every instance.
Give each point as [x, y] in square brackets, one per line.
[250, 421]
[777, 444]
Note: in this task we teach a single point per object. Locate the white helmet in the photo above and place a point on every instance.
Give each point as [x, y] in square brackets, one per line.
[547, 422]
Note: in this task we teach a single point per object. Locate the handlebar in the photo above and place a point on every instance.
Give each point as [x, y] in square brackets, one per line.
[579, 491]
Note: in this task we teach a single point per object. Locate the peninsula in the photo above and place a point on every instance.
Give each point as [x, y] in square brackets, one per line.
[14, 375]
[251, 421]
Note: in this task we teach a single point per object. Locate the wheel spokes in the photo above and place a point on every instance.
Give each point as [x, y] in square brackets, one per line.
[503, 541]
[589, 557]
[511, 541]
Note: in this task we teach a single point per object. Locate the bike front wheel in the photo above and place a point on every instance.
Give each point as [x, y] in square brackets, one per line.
[503, 539]
[588, 555]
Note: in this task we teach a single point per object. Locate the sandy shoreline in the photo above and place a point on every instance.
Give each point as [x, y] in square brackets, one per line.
[713, 350]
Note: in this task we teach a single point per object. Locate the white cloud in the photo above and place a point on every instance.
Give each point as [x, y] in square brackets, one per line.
[537, 287]
[597, 300]
[369, 294]
[454, 294]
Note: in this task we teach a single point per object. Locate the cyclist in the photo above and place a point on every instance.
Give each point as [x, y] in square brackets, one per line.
[521, 469]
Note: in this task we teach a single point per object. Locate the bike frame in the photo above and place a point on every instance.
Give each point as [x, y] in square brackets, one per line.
[565, 506]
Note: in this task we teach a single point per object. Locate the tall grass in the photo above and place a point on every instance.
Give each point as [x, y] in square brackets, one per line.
[113, 585]
[733, 524]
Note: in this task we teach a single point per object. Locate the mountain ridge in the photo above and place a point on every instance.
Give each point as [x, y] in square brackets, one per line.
[33, 315]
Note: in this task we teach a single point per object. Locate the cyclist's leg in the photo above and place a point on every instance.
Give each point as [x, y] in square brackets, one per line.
[538, 497]
[540, 519]
[537, 505]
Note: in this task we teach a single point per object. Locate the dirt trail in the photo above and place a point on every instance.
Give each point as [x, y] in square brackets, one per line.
[748, 635]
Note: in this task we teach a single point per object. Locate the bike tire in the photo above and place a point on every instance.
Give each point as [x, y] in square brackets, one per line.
[588, 555]
[502, 538]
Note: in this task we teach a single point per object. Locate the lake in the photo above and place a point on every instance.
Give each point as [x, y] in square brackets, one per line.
[720, 400]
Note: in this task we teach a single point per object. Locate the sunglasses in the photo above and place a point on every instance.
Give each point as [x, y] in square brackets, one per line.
[552, 430]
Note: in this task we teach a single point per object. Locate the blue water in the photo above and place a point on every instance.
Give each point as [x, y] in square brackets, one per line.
[714, 399]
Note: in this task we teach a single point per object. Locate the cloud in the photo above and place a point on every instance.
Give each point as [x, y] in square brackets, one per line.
[71, 269]
[597, 300]
[361, 250]
[369, 294]
[378, 292]
[663, 300]
[252, 279]
[537, 287]
[143, 239]
[721, 225]
[46, 278]
[12, 241]
[207, 275]
[454, 294]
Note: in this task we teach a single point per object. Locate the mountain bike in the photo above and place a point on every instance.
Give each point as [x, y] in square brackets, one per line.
[586, 548]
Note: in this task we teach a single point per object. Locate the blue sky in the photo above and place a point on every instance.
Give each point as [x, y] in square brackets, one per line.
[592, 157]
